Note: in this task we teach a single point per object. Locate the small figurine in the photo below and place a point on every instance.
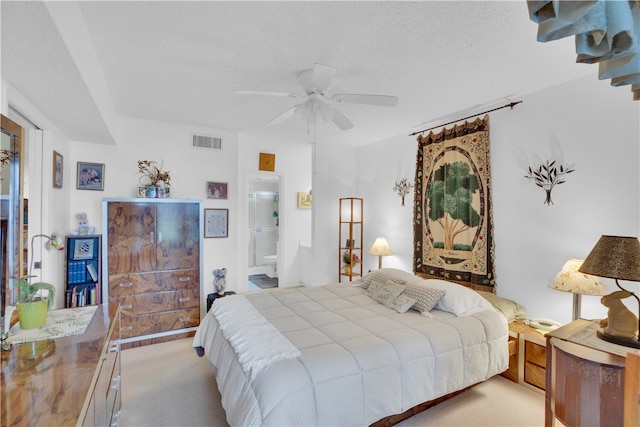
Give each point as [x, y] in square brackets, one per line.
[83, 225]
[219, 280]
[620, 321]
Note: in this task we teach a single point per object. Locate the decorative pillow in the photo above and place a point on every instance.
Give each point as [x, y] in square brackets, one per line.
[388, 292]
[458, 299]
[402, 303]
[378, 281]
[426, 298]
[385, 274]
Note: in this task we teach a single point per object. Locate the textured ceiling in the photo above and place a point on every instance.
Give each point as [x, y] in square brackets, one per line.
[181, 61]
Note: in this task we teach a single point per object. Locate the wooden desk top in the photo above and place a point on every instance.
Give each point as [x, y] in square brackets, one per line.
[45, 383]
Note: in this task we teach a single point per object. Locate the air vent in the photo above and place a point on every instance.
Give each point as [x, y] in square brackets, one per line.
[206, 142]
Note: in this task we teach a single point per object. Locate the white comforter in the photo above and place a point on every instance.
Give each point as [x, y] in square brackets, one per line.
[359, 360]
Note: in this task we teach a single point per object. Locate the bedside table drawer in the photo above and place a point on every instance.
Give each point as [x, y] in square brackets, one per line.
[534, 375]
[535, 354]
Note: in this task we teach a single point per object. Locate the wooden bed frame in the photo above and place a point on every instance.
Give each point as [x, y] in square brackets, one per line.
[392, 420]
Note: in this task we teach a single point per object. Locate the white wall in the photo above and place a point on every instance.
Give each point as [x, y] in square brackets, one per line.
[586, 123]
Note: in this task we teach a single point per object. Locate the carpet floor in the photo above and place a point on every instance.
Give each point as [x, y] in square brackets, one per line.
[263, 281]
[168, 385]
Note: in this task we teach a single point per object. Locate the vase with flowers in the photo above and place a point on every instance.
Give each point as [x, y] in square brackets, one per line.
[32, 306]
[155, 181]
[350, 260]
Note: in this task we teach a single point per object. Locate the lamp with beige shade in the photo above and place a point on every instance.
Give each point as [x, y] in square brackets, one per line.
[569, 279]
[380, 248]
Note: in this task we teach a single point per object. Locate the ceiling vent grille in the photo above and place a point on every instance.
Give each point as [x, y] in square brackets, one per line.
[206, 142]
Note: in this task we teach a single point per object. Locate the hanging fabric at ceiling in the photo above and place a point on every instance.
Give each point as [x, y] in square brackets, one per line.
[606, 32]
[453, 219]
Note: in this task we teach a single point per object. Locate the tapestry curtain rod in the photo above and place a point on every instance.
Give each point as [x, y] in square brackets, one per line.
[511, 104]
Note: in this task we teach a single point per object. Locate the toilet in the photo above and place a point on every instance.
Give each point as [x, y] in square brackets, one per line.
[271, 263]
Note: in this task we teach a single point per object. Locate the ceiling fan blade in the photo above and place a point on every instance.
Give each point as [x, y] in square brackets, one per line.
[340, 119]
[352, 98]
[323, 76]
[284, 116]
[268, 93]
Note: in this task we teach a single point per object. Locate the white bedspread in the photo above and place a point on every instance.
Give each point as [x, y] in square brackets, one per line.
[359, 360]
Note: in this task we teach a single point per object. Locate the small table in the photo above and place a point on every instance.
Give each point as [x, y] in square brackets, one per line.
[212, 297]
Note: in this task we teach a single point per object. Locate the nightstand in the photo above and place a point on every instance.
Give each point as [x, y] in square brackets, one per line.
[212, 297]
[527, 356]
[586, 378]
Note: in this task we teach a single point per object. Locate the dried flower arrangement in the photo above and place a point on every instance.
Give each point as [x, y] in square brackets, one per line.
[150, 170]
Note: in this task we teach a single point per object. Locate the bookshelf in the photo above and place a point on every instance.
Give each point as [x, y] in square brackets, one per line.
[83, 267]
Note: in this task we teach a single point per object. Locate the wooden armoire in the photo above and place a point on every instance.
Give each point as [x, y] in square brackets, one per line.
[152, 266]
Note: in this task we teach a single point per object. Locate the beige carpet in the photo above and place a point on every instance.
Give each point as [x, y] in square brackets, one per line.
[168, 385]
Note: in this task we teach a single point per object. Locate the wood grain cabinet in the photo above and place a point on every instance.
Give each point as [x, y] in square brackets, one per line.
[586, 378]
[527, 356]
[153, 249]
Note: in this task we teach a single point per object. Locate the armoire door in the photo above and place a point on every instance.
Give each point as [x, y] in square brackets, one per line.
[131, 237]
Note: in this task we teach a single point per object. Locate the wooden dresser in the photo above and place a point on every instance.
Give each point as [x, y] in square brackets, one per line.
[65, 381]
[152, 266]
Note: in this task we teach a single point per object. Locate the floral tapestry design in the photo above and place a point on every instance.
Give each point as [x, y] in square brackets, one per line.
[453, 224]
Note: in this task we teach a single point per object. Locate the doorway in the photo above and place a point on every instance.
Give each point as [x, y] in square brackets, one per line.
[263, 209]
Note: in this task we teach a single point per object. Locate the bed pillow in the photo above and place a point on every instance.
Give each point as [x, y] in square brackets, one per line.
[426, 297]
[511, 309]
[458, 299]
[385, 274]
[402, 303]
[388, 292]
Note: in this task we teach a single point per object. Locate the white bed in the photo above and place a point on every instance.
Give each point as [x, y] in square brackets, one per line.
[333, 355]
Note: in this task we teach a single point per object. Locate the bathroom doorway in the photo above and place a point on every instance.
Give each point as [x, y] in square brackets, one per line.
[263, 208]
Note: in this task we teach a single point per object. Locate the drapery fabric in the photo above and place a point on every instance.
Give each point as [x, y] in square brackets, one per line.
[453, 220]
[607, 32]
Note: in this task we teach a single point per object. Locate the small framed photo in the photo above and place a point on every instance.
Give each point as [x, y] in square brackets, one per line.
[217, 190]
[216, 223]
[304, 200]
[90, 176]
[57, 169]
[83, 249]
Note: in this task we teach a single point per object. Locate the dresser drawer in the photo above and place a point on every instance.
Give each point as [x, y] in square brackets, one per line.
[159, 302]
[534, 375]
[144, 324]
[181, 279]
[121, 285]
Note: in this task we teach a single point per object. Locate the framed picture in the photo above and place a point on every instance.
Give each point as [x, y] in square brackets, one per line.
[267, 162]
[304, 200]
[90, 176]
[83, 248]
[217, 190]
[57, 170]
[216, 223]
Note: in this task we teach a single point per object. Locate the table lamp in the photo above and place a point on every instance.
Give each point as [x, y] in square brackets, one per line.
[380, 248]
[569, 279]
[617, 257]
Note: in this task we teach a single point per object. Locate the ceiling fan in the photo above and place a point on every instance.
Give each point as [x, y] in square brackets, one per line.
[316, 84]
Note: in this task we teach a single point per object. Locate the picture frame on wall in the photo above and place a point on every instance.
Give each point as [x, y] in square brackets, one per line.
[216, 223]
[304, 200]
[217, 190]
[57, 169]
[90, 176]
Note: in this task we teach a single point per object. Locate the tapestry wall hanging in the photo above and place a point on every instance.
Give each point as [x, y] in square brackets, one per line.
[453, 224]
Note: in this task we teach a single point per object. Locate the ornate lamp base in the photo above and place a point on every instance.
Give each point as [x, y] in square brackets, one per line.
[627, 342]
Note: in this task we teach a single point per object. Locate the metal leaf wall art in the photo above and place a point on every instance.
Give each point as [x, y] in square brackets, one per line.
[547, 176]
[402, 188]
